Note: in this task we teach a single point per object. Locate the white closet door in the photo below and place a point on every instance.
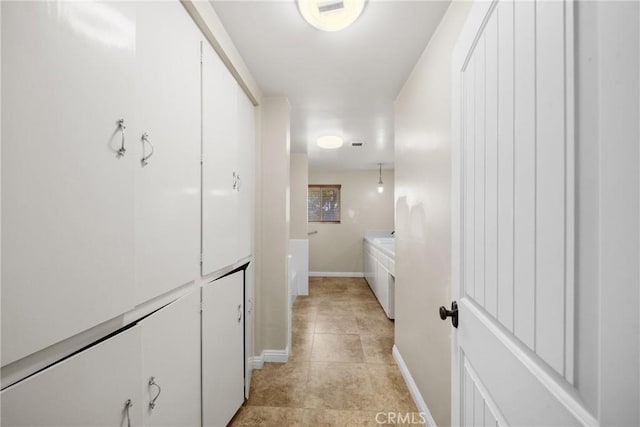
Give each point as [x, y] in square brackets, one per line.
[171, 356]
[167, 204]
[222, 349]
[67, 198]
[246, 162]
[88, 389]
[219, 153]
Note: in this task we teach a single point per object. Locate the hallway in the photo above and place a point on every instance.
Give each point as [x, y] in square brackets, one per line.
[341, 370]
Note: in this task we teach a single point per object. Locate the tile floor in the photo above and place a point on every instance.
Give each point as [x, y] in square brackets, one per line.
[341, 371]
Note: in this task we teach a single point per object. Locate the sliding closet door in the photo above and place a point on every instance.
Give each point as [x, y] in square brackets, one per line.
[166, 149]
[67, 195]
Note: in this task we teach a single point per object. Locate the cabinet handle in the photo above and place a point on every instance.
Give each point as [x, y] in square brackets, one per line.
[145, 159]
[238, 183]
[235, 181]
[122, 127]
[239, 313]
[152, 382]
[127, 405]
[250, 306]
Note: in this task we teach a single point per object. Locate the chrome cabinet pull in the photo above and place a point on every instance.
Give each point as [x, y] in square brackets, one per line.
[122, 127]
[152, 382]
[239, 313]
[235, 181]
[145, 159]
[238, 184]
[127, 406]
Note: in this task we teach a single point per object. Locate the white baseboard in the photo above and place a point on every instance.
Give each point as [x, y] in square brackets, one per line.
[336, 274]
[275, 356]
[413, 388]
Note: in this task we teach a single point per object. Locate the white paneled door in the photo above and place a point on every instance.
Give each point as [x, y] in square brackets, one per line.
[516, 358]
[513, 71]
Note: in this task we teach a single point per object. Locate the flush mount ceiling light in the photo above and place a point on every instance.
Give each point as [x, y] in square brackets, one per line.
[330, 15]
[380, 183]
[330, 142]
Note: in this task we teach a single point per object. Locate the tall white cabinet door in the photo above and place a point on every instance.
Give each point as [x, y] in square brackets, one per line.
[167, 204]
[88, 389]
[246, 167]
[67, 197]
[219, 171]
[222, 349]
[171, 364]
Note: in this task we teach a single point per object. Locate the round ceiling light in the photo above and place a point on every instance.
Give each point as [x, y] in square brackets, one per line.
[330, 15]
[330, 142]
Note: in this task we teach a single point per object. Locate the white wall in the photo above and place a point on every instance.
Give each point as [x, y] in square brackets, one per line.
[337, 248]
[299, 176]
[273, 217]
[423, 216]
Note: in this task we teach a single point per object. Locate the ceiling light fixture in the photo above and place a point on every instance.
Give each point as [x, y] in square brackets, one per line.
[330, 15]
[380, 184]
[330, 142]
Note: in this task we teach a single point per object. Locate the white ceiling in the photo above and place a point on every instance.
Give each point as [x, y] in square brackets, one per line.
[340, 83]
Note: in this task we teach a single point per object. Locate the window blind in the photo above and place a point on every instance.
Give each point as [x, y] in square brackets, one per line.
[323, 203]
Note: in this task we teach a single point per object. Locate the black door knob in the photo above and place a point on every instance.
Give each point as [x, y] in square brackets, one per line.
[453, 313]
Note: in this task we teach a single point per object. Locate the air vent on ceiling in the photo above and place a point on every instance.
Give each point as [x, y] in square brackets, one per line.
[357, 144]
[330, 6]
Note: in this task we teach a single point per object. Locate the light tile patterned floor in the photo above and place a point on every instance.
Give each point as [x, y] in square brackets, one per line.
[341, 371]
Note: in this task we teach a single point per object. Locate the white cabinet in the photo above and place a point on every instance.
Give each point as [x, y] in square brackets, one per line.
[81, 223]
[219, 157]
[222, 349]
[171, 364]
[91, 231]
[91, 387]
[246, 167]
[88, 389]
[67, 198]
[167, 202]
[249, 323]
[370, 265]
[228, 138]
[379, 271]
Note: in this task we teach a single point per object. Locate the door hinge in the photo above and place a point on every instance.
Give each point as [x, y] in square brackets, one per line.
[200, 259]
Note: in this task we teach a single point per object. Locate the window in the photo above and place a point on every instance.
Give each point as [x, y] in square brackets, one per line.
[323, 203]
